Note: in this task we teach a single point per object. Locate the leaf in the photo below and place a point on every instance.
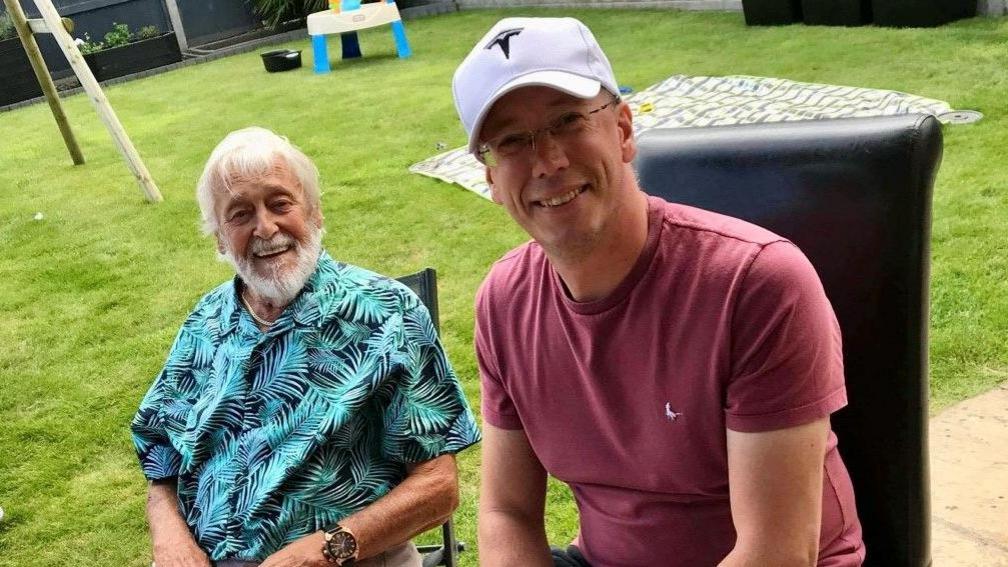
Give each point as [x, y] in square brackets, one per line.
[161, 462]
[366, 304]
[419, 328]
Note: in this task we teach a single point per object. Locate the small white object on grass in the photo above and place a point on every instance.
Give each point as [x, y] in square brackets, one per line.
[1, 514]
[39, 216]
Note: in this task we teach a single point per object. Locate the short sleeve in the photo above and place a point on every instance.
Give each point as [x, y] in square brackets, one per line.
[428, 415]
[496, 405]
[158, 457]
[787, 359]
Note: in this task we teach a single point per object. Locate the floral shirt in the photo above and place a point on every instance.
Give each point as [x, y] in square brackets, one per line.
[274, 435]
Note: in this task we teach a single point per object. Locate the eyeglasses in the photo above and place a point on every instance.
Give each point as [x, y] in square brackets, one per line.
[517, 146]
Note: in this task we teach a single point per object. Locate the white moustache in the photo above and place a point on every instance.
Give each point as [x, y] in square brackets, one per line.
[276, 244]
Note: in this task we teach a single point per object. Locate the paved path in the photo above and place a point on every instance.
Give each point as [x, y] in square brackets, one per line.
[969, 482]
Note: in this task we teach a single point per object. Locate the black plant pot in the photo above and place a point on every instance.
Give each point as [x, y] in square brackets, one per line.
[19, 81]
[836, 12]
[134, 57]
[921, 13]
[772, 12]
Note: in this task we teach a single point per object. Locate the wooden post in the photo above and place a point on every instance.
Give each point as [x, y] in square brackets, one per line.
[97, 96]
[44, 78]
[176, 22]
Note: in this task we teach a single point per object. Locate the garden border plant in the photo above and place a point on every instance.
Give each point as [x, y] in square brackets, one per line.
[122, 52]
[7, 29]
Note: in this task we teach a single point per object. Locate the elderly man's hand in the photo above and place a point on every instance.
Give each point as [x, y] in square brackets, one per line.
[305, 552]
[182, 552]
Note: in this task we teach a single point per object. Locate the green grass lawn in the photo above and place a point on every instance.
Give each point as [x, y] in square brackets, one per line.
[92, 295]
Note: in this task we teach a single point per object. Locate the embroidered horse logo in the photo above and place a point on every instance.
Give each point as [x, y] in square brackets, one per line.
[671, 415]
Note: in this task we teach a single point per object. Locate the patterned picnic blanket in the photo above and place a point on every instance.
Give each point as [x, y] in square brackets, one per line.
[684, 102]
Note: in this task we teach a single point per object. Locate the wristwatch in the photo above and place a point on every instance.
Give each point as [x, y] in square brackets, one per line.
[340, 546]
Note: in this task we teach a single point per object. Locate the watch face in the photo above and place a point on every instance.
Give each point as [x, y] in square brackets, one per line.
[342, 545]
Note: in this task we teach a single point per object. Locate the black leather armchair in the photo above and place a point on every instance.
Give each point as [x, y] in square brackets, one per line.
[855, 196]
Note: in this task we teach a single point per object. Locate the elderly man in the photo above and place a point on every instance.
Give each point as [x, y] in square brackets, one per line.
[306, 414]
[675, 367]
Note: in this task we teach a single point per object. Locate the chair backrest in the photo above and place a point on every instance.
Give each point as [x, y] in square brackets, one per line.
[855, 196]
[424, 284]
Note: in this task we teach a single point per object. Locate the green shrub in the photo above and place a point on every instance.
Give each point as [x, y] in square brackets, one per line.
[87, 45]
[7, 30]
[147, 32]
[274, 12]
[120, 35]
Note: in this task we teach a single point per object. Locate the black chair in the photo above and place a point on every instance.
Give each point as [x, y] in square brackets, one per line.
[424, 284]
[855, 196]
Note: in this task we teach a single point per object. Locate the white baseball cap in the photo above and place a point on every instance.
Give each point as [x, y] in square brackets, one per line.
[560, 53]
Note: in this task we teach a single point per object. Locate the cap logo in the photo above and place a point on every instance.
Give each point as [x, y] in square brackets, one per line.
[503, 39]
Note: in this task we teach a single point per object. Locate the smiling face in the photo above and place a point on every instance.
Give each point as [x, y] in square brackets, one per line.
[571, 190]
[268, 232]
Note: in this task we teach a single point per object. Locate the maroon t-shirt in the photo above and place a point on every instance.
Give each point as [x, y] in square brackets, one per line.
[719, 324]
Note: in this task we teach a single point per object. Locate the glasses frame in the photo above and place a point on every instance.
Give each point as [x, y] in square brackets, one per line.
[485, 155]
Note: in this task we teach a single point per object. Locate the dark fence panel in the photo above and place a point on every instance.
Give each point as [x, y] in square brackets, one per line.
[209, 20]
[95, 17]
[204, 21]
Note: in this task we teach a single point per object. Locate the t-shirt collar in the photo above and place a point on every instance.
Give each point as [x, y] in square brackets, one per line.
[635, 274]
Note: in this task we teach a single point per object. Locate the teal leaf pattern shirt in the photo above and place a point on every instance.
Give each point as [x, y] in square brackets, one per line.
[274, 435]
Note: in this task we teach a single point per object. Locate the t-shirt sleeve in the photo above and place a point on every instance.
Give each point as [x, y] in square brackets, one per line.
[158, 457]
[495, 403]
[428, 415]
[787, 359]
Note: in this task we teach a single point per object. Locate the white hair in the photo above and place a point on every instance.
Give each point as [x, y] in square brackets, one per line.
[252, 153]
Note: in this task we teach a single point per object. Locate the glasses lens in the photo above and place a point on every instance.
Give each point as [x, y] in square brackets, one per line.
[512, 145]
[568, 124]
[485, 155]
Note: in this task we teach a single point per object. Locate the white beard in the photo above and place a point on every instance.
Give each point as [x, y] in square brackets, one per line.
[280, 286]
